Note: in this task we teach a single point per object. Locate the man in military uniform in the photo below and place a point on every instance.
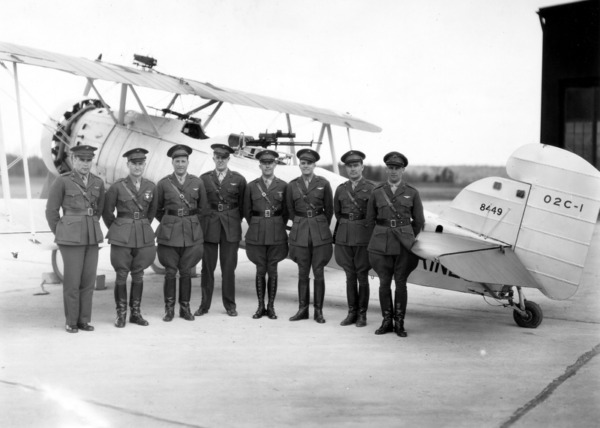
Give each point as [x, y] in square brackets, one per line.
[265, 211]
[130, 234]
[80, 195]
[223, 229]
[397, 211]
[352, 236]
[181, 201]
[310, 206]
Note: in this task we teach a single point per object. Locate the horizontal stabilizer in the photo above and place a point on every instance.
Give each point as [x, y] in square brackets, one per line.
[474, 260]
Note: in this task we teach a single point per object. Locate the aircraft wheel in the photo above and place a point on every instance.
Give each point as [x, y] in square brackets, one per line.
[58, 264]
[532, 318]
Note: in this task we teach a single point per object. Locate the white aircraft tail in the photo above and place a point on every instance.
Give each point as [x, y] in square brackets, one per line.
[547, 216]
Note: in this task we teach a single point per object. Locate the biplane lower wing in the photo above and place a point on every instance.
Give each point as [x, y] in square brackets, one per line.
[474, 260]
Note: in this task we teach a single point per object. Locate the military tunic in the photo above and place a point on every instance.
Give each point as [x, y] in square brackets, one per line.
[353, 231]
[266, 212]
[130, 232]
[393, 235]
[311, 211]
[179, 235]
[77, 234]
[223, 233]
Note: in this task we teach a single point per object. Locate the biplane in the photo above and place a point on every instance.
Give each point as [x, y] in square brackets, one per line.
[496, 238]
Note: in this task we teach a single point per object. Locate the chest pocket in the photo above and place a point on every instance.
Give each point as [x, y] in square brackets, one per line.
[233, 191]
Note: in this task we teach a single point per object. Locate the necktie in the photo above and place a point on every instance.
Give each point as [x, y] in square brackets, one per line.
[85, 180]
[307, 183]
[354, 183]
[221, 177]
[137, 185]
[267, 183]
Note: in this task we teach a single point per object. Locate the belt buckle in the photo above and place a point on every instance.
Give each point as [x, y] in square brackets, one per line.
[219, 207]
[180, 212]
[90, 212]
[351, 216]
[136, 215]
[309, 213]
[267, 213]
[393, 223]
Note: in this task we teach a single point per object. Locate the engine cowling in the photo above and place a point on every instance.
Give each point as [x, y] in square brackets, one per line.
[57, 136]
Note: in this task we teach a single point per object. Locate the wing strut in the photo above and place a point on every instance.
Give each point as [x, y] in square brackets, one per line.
[334, 162]
[24, 154]
[102, 100]
[203, 106]
[292, 148]
[122, 104]
[143, 109]
[170, 104]
[210, 117]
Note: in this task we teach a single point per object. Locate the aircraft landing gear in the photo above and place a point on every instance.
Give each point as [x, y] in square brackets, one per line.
[527, 314]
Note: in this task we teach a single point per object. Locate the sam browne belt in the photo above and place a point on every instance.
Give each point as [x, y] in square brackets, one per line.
[183, 212]
[352, 216]
[310, 213]
[396, 222]
[86, 212]
[135, 215]
[223, 207]
[267, 213]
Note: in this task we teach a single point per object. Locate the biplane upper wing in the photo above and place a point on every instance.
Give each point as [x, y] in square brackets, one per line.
[474, 260]
[155, 80]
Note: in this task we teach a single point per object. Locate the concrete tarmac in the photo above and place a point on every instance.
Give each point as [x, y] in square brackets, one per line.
[465, 363]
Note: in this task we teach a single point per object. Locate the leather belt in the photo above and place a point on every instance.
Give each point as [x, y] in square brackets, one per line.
[396, 222]
[182, 212]
[267, 213]
[223, 207]
[352, 216]
[310, 213]
[86, 212]
[135, 215]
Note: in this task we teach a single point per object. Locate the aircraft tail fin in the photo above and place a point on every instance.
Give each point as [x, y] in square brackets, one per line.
[562, 211]
[547, 212]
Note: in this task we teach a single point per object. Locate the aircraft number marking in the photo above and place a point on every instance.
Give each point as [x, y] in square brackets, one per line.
[559, 202]
[491, 209]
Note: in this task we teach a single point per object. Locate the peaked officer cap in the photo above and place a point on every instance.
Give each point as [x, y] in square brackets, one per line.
[267, 155]
[353, 156]
[83, 151]
[135, 155]
[179, 150]
[222, 149]
[308, 155]
[395, 159]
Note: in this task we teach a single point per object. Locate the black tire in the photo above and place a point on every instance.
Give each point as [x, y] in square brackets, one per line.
[532, 319]
[58, 264]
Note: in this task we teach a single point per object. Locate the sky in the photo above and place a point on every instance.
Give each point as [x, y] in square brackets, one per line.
[450, 82]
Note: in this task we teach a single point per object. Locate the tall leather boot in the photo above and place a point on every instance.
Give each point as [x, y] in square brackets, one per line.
[400, 311]
[260, 293]
[185, 293]
[169, 292]
[121, 301]
[206, 291]
[387, 310]
[319, 297]
[352, 296]
[134, 303]
[363, 301]
[272, 290]
[303, 300]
